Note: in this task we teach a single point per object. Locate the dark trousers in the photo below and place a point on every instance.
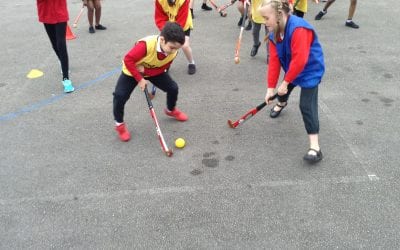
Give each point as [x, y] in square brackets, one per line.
[298, 13]
[56, 33]
[308, 107]
[126, 85]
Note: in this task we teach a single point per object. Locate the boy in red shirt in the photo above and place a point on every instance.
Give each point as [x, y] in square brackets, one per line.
[149, 60]
[54, 15]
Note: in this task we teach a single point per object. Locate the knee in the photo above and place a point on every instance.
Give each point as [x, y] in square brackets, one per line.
[120, 97]
[174, 89]
[305, 108]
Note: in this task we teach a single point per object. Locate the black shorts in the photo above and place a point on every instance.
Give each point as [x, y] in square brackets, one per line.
[187, 32]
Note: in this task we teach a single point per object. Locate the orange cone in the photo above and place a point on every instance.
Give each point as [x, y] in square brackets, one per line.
[69, 35]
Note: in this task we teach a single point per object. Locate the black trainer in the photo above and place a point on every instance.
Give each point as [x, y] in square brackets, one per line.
[191, 68]
[320, 15]
[91, 30]
[100, 27]
[254, 50]
[204, 6]
[352, 24]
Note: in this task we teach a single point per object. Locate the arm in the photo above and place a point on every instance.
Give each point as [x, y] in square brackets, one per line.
[160, 17]
[133, 56]
[300, 47]
[274, 68]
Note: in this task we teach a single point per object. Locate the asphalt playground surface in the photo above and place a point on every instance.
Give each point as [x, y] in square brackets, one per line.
[67, 182]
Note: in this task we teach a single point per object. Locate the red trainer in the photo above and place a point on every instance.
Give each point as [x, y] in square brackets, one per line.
[179, 115]
[123, 132]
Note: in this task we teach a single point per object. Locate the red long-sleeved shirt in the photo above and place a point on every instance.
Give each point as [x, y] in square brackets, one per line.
[136, 54]
[161, 17]
[52, 11]
[300, 50]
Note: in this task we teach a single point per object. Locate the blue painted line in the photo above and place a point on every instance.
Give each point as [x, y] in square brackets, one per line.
[46, 102]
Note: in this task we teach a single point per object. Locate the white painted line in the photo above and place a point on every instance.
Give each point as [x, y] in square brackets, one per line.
[191, 189]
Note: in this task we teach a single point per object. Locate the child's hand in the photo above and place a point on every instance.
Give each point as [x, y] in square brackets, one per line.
[282, 90]
[84, 2]
[270, 93]
[142, 84]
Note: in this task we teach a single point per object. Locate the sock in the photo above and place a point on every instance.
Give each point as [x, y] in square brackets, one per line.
[192, 62]
[349, 20]
[118, 123]
[324, 11]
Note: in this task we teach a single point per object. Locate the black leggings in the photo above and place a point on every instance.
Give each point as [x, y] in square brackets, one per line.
[308, 107]
[56, 33]
[126, 85]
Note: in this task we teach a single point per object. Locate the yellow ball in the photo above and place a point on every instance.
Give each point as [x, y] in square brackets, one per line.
[179, 143]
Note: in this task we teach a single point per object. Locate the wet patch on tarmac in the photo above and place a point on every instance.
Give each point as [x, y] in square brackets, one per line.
[365, 100]
[388, 75]
[359, 122]
[210, 161]
[196, 172]
[230, 158]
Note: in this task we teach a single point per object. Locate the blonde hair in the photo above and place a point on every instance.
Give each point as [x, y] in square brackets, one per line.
[279, 6]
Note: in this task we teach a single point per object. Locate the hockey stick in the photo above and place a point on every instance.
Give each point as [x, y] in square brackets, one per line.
[239, 40]
[78, 17]
[223, 7]
[250, 113]
[164, 145]
[221, 12]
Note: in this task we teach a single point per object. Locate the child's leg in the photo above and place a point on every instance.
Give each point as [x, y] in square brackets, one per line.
[352, 9]
[168, 85]
[256, 39]
[327, 5]
[61, 44]
[123, 90]
[309, 111]
[256, 34]
[240, 8]
[187, 50]
[282, 102]
[97, 7]
[90, 11]
[284, 98]
[51, 32]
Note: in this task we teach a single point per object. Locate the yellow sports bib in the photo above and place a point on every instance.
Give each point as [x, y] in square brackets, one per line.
[150, 60]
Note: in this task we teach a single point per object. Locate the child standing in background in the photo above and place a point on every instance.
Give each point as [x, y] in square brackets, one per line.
[54, 15]
[94, 9]
[177, 11]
